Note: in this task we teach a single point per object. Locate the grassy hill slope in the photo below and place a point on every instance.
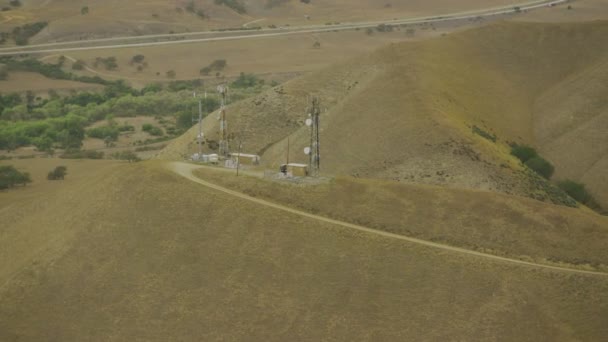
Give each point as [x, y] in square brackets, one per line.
[152, 256]
[519, 228]
[408, 112]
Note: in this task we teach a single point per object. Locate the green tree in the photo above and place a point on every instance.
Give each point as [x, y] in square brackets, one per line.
[43, 144]
[184, 120]
[10, 176]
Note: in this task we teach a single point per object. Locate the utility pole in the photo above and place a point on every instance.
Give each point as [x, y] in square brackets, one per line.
[287, 151]
[199, 137]
[238, 158]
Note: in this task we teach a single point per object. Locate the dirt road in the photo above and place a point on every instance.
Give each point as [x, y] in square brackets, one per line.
[185, 170]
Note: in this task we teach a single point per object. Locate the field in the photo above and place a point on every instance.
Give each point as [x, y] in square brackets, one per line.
[202, 265]
[422, 227]
[455, 217]
[118, 18]
[277, 58]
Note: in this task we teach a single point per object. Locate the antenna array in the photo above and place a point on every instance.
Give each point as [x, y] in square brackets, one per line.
[200, 137]
[224, 148]
[314, 151]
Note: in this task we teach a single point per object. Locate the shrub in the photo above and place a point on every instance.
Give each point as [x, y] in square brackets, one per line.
[58, 173]
[384, 28]
[523, 152]
[110, 63]
[575, 190]
[22, 34]
[484, 134]
[236, 5]
[150, 148]
[78, 65]
[541, 166]
[126, 155]
[218, 64]
[190, 7]
[152, 88]
[126, 128]
[82, 154]
[84, 10]
[104, 132]
[201, 14]
[246, 80]
[152, 130]
[138, 59]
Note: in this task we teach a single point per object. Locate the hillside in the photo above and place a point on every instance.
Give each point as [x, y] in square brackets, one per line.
[408, 111]
[131, 251]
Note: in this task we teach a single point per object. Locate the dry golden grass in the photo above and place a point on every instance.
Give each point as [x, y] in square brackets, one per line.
[517, 227]
[586, 10]
[271, 57]
[128, 252]
[406, 112]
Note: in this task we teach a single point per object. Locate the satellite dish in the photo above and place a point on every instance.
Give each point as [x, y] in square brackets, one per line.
[307, 151]
[308, 122]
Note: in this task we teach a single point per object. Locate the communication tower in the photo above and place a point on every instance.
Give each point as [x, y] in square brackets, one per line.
[314, 150]
[200, 137]
[224, 148]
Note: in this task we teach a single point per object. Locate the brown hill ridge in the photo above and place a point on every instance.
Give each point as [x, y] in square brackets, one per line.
[408, 111]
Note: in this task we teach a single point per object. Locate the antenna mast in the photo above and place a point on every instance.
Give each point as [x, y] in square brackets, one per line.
[200, 136]
[315, 147]
[223, 152]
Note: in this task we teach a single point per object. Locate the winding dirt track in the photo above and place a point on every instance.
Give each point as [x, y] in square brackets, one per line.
[185, 170]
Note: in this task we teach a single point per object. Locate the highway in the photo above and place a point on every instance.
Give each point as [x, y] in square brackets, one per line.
[238, 34]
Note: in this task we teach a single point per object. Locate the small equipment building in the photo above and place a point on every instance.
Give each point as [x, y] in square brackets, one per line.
[245, 159]
[295, 170]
